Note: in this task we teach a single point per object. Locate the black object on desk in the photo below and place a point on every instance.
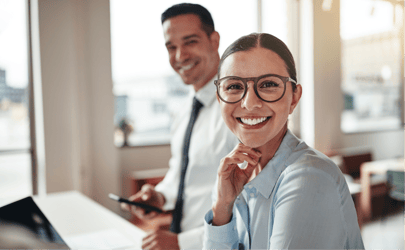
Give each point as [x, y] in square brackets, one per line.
[23, 225]
[148, 208]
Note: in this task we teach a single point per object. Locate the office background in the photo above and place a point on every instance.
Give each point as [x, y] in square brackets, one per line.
[72, 115]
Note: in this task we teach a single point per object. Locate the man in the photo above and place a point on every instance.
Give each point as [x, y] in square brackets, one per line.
[200, 139]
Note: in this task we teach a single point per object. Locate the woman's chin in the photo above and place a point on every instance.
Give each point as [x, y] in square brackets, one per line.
[251, 143]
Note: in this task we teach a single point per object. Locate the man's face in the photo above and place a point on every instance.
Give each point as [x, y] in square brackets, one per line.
[192, 54]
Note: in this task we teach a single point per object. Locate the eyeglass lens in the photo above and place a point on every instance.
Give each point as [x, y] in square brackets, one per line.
[269, 88]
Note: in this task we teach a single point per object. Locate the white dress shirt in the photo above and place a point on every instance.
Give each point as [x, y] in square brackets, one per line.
[300, 200]
[210, 141]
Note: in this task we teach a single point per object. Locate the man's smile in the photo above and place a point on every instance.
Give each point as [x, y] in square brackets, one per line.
[183, 69]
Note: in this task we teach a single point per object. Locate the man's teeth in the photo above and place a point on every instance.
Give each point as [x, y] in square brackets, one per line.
[187, 67]
[253, 121]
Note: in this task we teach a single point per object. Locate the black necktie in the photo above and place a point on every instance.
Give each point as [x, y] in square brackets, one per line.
[178, 210]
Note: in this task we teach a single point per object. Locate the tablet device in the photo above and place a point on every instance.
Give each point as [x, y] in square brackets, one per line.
[23, 225]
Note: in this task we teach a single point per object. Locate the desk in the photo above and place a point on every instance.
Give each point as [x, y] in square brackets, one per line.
[72, 213]
[366, 170]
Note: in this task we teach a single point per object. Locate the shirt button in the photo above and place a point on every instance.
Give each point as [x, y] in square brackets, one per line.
[252, 195]
[234, 228]
[249, 186]
[238, 197]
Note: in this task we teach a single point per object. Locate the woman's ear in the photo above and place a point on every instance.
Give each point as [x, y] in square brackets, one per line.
[296, 97]
[217, 97]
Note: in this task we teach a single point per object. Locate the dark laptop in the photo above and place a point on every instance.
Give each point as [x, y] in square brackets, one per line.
[23, 225]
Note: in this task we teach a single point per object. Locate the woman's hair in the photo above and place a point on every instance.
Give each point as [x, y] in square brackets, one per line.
[263, 40]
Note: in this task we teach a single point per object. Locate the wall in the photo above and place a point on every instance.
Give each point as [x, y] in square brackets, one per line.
[383, 144]
[141, 158]
[74, 46]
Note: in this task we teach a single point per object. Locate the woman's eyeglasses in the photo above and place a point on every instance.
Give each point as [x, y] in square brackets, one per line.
[269, 88]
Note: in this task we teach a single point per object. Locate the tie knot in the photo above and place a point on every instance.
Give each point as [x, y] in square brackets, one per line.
[197, 105]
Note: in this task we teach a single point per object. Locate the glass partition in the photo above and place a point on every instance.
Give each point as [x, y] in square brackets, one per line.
[372, 59]
[15, 153]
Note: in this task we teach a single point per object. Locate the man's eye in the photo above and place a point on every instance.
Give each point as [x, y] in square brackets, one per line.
[191, 42]
[171, 48]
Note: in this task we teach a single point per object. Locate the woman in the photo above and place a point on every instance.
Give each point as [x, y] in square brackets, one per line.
[289, 195]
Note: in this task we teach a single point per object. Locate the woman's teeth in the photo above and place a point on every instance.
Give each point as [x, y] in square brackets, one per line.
[253, 121]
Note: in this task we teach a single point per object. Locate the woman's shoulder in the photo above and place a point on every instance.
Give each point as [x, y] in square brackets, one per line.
[308, 174]
[299, 155]
[311, 162]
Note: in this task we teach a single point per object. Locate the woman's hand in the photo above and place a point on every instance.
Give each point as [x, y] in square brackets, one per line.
[231, 180]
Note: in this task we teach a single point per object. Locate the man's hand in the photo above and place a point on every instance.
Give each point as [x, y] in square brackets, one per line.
[157, 240]
[146, 195]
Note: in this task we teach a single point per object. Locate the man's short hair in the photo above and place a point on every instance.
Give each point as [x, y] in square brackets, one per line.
[189, 8]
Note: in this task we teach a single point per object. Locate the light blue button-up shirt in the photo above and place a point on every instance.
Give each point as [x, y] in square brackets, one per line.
[300, 200]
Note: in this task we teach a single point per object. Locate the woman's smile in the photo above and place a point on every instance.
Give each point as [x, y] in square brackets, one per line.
[253, 122]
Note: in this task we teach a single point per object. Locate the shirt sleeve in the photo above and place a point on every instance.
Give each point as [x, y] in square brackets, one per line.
[307, 212]
[220, 237]
[191, 239]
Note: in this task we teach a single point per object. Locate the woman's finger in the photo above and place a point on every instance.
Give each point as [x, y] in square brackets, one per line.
[250, 155]
[240, 158]
[246, 149]
[241, 149]
[249, 170]
[228, 163]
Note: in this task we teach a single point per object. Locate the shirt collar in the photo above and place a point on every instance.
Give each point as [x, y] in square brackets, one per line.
[265, 181]
[206, 95]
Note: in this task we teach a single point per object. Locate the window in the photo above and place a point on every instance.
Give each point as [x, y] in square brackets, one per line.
[15, 156]
[147, 91]
[283, 24]
[371, 65]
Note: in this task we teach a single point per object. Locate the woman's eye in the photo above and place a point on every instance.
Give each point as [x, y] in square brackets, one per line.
[234, 86]
[269, 84]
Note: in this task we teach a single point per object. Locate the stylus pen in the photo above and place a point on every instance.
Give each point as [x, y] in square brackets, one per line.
[138, 204]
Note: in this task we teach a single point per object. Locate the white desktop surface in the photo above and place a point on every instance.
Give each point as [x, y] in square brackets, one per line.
[72, 214]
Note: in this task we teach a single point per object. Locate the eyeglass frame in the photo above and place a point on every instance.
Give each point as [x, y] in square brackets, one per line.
[284, 79]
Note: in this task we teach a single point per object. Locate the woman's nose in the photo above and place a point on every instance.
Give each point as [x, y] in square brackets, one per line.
[251, 101]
